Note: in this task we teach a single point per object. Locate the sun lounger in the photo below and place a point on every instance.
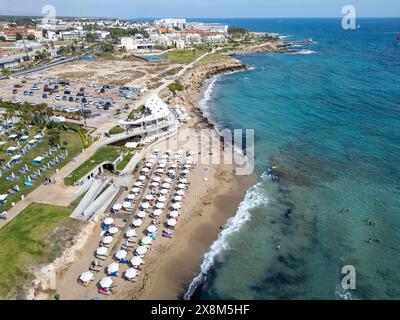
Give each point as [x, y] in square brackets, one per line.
[132, 240]
[95, 268]
[105, 291]
[103, 258]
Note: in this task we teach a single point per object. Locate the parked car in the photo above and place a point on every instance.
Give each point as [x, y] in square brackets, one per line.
[71, 99]
[14, 91]
[44, 95]
[18, 85]
[26, 93]
[57, 97]
[65, 98]
[30, 93]
[15, 100]
[77, 100]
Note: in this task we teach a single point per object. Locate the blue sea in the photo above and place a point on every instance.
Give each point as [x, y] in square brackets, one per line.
[327, 137]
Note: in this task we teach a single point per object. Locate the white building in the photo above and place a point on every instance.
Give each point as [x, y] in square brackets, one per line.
[127, 43]
[171, 23]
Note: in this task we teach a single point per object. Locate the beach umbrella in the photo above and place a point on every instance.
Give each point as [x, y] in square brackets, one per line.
[180, 192]
[178, 198]
[107, 240]
[156, 151]
[155, 184]
[137, 222]
[183, 180]
[149, 164]
[181, 186]
[166, 185]
[141, 250]
[187, 166]
[174, 214]
[157, 212]
[162, 198]
[136, 190]
[86, 276]
[113, 230]
[151, 159]
[171, 172]
[141, 214]
[142, 178]
[147, 240]
[164, 156]
[102, 251]
[174, 166]
[131, 233]
[113, 267]
[138, 184]
[152, 228]
[145, 205]
[121, 254]
[17, 188]
[160, 205]
[127, 205]
[186, 171]
[152, 156]
[108, 221]
[169, 151]
[172, 222]
[117, 207]
[176, 205]
[157, 179]
[164, 191]
[106, 282]
[179, 151]
[130, 273]
[162, 165]
[149, 197]
[192, 153]
[159, 170]
[189, 158]
[145, 170]
[131, 197]
[136, 261]
[167, 180]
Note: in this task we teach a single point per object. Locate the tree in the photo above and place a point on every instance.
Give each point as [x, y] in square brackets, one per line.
[65, 143]
[91, 37]
[18, 36]
[2, 38]
[31, 37]
[6, 72]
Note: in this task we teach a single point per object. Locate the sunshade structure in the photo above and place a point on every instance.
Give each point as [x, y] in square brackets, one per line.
[171, 172]
[86, 276]
[102, 251]
[174, 166]
[152, 228]
[141, 214]
[131, 233]
[157, 179]
[162, 198]
[107, 240]
[183, 180]
[156, 151]
[108, 221]
[171, 222]
[160, 205]
[127, 205]
[136, 190]
[131, 273]
[106, 282]
[145, 170]
[137, 222]
[157, 212]
[141, 250]
[138, 184]
[149, 197]
[163, 191]
[178, 198]
[113, 230]
[162, 165]
[149, 164]
[136, 261]
[174, 214]
[146, 240]
[131, 197]
[155, 184]
[166, 185]
[121, 254]
[167, 180]
[181, 186]
[145, 205]
[180, 192]
[159, 170]
[113, 267]
[142, 178]
[176, 205]
[117, 207]
[186, 171]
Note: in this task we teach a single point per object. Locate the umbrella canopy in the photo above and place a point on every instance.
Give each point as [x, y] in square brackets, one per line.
[127, 205]
[131, 196]
[160, 205]
[174, 214]
[107, 240]
[145, 170]
[136, 261]
[130, 233]
[142, 178]
[113, 267]
[157, 212]
[180, 192]
[178, 198]
[141, 214]
[181, 186]
[166, 185]
[137, 222]
[117, 207]
[149, 197]
[186, 171]
[113, 230]
[108, 221]
[149, 164]
[86, 276]
[102, 251]
[189, 158]
[106, 283]
[162, 198]
[187, 166]
[155, 184]
[162, 165]
[136, 190]
[156, 150]
[171, 222]
[164, 191]
[183, 180]
[159, 170]
[157, 179]
[138, 184]
[130, 273]
[174, 166]
[167, 180]
[145, 205]
[152, 156]
[152, 228]
[147, 240]
[176, 205]
[164, 156]
[121, 254]
[141, 250]
[171, 172]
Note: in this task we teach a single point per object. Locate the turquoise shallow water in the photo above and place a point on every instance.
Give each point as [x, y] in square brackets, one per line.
[328, 122]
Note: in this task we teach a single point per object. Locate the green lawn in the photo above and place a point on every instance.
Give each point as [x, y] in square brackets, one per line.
[125, 160]
[116, 130]
[107, 153]
[74, 147]
[25, 241]
[184, 56]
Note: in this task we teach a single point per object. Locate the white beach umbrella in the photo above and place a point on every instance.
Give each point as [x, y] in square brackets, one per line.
[157, 212]
[164, 156]
[107, 240]
[166, 185]
[136, 261]
[189, 158]
[160, 205]
[167, 180]
[171, 172]
[183, 180]
[186, 171]
[146, 240]
[174, 214]
[160, 170]
[142, 178]
[127, 205]
[149, 197]
[180, 192]
[106, 282]
[176, 205]
[130, 233]
[121, 254]
[138, 184]
[131, 197]
[136, 190]
[162, 165]
[141, 214]
[172, 222]
[149, 164]
[86, 276]
[156, 150]
[102, 251]
[157, 179]
[152, 228]
[137, 222]
[174, 166]
[155, 184]
[164, 191]
[145, 205]
[145, 170]
[181, 186]
[178, 198]
[130, 273]
[113, 267]
[162, 198]
[169, 151]
[117, 207]
[179, 151]
[152, 156]
[108, 221]
[113, 230]
[141, 250]
[192, 153]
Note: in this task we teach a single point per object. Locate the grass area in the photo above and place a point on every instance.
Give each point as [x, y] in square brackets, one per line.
[26, 240]
[174, 87]
[116, 130]
[214, 58]
[107, 153]
[74, 147]
[184, 56]
[125, 160]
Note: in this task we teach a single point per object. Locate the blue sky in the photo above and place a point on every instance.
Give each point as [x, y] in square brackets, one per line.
[203, 8]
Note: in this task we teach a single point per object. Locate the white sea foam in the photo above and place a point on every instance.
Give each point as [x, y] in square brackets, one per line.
[208, 93]
[304, 51]
[253, 198]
